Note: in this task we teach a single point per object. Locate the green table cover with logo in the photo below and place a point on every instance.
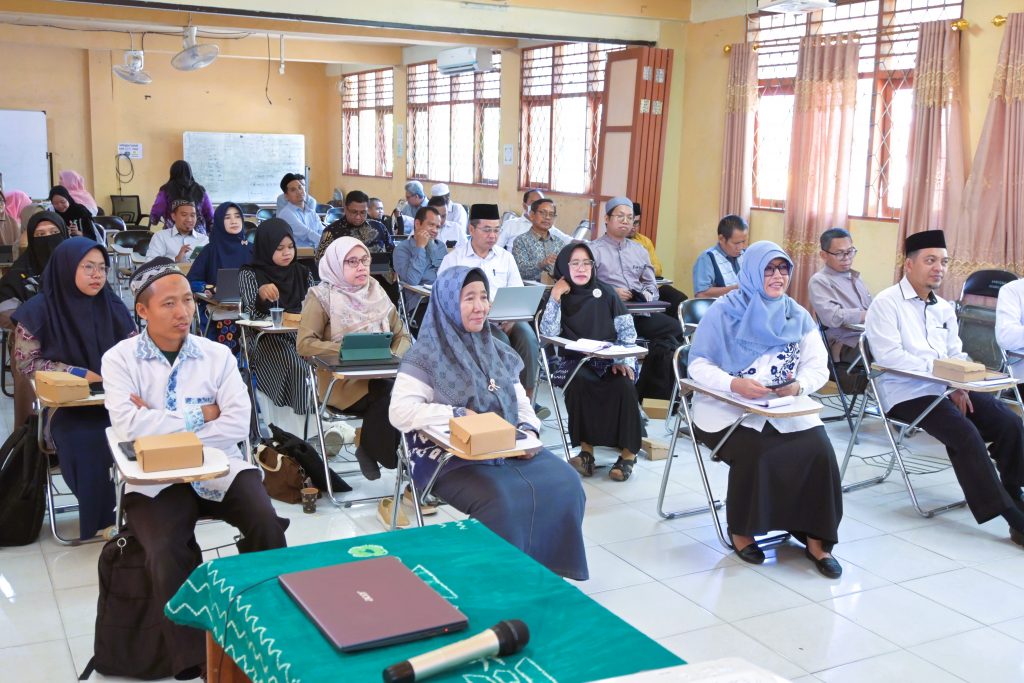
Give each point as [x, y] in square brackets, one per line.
[572, 638]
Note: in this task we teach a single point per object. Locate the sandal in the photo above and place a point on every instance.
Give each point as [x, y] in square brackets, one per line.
[621, 470]
[583, 463]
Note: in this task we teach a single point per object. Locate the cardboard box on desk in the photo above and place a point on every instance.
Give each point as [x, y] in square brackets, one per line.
[60, 387]
[958, 370]
[482, 433]
[169, 451]
[291, 320]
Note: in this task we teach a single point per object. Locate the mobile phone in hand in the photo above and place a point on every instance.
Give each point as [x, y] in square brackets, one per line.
[786, 383]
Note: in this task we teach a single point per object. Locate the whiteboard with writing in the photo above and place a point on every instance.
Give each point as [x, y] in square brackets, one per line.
[243, 167]
[23, 149]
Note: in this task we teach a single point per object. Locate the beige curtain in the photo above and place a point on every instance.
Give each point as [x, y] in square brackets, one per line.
[935, 158]
[819, 157]
[990, 230]
[738, 151]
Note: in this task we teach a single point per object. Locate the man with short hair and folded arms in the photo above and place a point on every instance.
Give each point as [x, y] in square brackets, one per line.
[501, 271]
[417, 259]
[536, 249]
[716, 271]
[909, 327]
[838, 294]
[165, 381]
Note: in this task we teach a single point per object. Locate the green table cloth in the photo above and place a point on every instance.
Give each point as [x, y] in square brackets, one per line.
[572, 638]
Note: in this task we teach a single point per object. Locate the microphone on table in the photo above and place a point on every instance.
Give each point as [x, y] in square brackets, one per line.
[504, 638]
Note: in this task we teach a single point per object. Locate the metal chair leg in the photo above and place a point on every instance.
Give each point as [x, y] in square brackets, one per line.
[668, 469]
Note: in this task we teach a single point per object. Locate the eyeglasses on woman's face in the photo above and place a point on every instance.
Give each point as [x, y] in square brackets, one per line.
[782, 269]
[581, 264]
[355, 262]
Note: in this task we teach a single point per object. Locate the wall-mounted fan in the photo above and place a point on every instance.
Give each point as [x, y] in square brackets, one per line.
[131, 70]
[194, 56]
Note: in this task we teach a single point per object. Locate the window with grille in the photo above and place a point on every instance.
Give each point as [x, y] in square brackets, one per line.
[367, 123]
[562, 95]
[888, 32]
[454, 124]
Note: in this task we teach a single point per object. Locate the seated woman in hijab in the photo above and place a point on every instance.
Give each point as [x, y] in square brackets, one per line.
[76, 217]
[68, 328]
[12, 203]
[228, 248]
[757, 342]
[536, 501]
[603, 406]
[346, 301]
[75, 184]
[275, 279]
[19, 284]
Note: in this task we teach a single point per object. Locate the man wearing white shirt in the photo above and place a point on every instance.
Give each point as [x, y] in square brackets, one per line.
[908, 328]
[179, 241]
[479, 251]
[165, 381]
[1010, 323]
[454, 228]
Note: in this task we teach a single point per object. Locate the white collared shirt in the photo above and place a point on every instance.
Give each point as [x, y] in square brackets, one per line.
[1010, 323]
[204, 373]
[907, 333]
[455, 225]
[499, 266]
[808, 357]
[168, 242]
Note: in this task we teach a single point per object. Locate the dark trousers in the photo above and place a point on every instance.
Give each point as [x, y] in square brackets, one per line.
[165, 526]
[658, 327]
[965, 436]
[523, 340]
[377, 438]
[673, 297]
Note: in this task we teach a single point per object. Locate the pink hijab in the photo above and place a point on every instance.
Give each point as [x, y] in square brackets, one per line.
[352, 309]
[75, 185]
[16, 201]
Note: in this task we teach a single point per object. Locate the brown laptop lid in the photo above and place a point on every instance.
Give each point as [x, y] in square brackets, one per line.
[371, 603]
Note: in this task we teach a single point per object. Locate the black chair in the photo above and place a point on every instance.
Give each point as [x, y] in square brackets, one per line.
[129, 208]
[323, 208]
[124, 244]
[334, 214]
[110, 223]
[249, 209]
[976, 322]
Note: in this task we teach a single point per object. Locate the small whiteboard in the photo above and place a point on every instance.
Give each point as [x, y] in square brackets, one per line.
[23, 149]
[243, 167]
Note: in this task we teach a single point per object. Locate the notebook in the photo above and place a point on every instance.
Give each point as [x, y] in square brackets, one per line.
[371, 603]
[227, 286]
[516, 303]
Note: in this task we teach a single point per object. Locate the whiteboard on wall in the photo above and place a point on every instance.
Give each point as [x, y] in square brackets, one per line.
[23, 149]
[243, 167]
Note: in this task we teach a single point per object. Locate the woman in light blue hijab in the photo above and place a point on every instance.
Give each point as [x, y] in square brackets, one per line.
[758, 343]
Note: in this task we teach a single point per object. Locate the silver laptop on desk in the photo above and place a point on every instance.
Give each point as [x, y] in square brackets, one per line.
[515, 303]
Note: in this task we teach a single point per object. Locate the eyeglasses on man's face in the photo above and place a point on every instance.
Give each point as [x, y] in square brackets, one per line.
[488, 231]
[623, 217]
[845, 254]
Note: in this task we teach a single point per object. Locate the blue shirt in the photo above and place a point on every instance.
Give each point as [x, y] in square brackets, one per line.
[306, 225]
[416, 266]
[704, 275]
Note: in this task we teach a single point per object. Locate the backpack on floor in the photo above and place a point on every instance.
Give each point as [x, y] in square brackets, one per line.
[307, 457]
[22, 486]
[129, 638]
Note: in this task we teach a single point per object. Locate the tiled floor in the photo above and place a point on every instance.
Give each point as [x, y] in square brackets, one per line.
[929, 600]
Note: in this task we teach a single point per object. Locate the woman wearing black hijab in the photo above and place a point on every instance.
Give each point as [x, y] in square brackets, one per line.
[181, 185]
[602, 401]
[76, 217]
[275, 278]
[44, 230]
[67, 328]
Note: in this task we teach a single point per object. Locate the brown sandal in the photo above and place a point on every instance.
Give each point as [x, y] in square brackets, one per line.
[583, 463]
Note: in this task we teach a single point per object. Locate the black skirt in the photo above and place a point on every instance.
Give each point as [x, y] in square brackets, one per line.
[604, 411]
[781, 482]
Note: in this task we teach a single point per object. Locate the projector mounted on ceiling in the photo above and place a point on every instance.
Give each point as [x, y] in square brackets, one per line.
[794, 6]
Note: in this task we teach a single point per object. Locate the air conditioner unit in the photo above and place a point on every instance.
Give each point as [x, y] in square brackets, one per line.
[460, 60]
[794, 6]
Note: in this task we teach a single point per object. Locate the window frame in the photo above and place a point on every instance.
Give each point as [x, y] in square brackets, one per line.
[481, 103]
[382, 109]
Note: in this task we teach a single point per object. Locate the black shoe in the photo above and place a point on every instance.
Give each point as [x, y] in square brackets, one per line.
[367, 465]
[828, 566]
[583, 463]
[1017, 537]
[751, 553]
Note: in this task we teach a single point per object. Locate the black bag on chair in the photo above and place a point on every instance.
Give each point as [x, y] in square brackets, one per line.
[22, 486]
[307, 457]
[129, 638]
[656, 378]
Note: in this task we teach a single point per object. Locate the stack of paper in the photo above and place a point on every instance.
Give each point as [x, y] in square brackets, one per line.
[587, 345]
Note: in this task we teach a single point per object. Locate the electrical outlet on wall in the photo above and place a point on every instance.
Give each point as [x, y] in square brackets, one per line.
[507, 155]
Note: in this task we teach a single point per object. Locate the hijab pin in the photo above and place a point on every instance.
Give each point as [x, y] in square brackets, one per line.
[492, 386]
[597, 293]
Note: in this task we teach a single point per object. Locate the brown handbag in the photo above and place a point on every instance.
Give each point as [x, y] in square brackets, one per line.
[283, 478]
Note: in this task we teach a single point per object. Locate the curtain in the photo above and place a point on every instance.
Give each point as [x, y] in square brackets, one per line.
[822, 143]
[935, 158]
[738, 150]
[990, 230]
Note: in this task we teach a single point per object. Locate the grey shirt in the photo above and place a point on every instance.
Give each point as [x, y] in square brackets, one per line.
[839, 299]
[625, 265]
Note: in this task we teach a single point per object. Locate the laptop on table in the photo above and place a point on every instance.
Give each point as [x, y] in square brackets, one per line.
[516, 303]
[371, 603]
[227, 286]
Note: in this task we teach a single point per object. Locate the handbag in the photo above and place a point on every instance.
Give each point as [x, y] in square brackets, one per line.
[283, 478]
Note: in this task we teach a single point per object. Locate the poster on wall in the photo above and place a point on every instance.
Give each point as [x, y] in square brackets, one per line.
[243, 167]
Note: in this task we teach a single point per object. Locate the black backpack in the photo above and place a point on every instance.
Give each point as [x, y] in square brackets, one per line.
[307, 457]
[22, 486]
[130, 623]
